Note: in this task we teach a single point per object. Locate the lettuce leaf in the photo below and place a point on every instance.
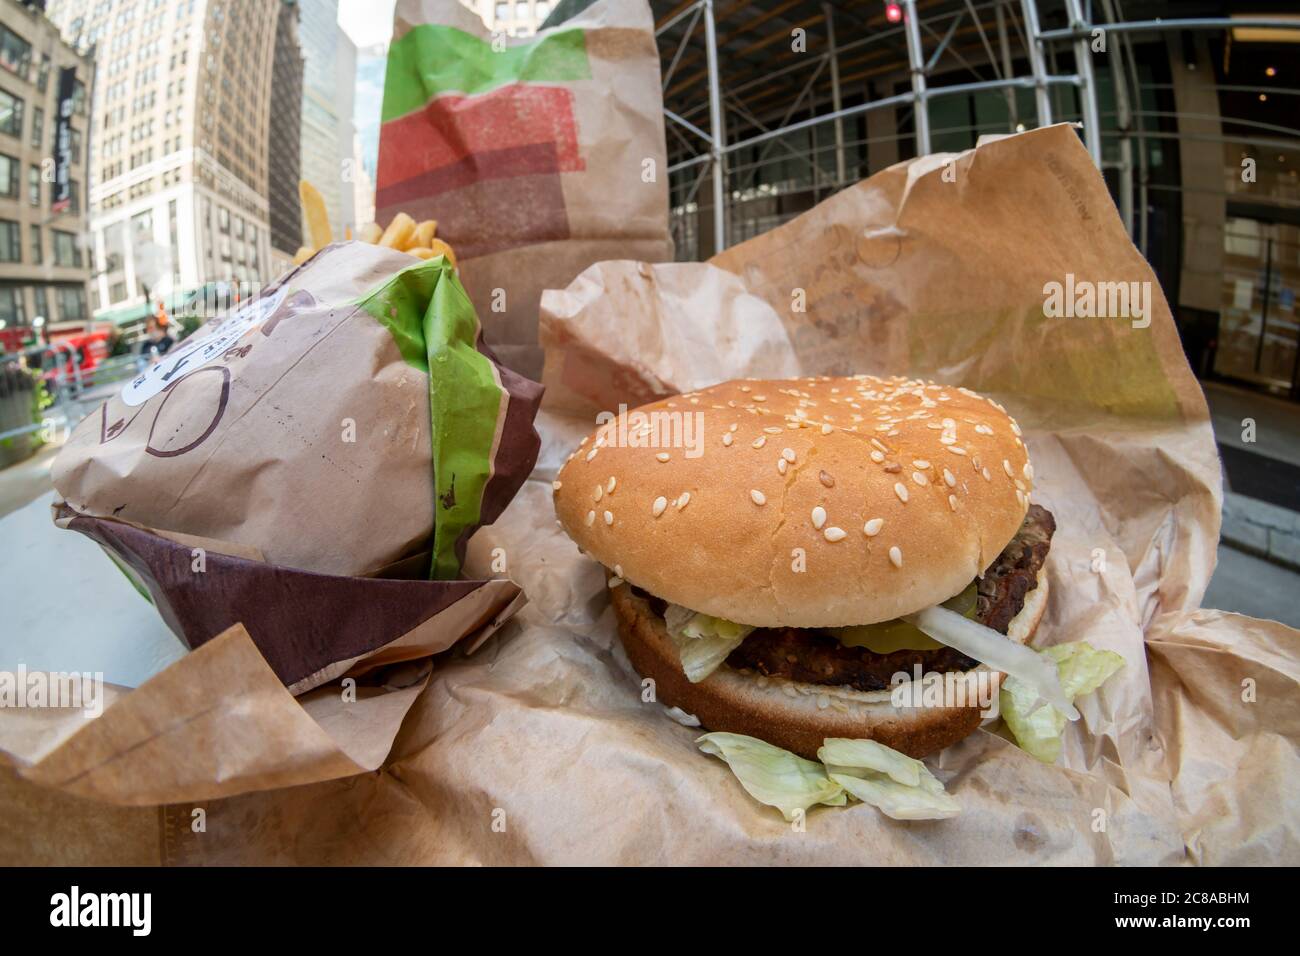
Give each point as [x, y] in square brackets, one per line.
[1081, 669]
[895, 784]
[774, 776]
[703, 641]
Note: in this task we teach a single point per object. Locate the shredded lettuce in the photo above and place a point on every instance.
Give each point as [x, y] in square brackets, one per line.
[1081, 669]
[702, 641]
[895, 784]
[774, 776]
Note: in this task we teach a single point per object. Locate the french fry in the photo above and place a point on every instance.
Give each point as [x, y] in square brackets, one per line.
[424, 234]
[303, 254]
[440, 248]
[371, 232]
[398, 233]
[318, 220]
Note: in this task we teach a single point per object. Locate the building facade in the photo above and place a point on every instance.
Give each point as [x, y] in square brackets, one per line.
[180, 164]
[44, 265]
[284, 157]
[328, 85]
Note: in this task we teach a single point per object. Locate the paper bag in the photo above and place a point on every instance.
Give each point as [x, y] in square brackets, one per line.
[536, 156]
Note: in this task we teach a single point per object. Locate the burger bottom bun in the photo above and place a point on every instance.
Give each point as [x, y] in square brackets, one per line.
[793, 715]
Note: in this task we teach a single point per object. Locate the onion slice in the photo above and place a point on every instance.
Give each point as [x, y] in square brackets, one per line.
[997, 651]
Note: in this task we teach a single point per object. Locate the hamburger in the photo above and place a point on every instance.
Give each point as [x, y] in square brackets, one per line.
[784, 556]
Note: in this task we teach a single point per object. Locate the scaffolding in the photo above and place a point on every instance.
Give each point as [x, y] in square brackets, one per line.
[710, 134]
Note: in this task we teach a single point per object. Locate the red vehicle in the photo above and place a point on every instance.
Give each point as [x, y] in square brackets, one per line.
[71, 354]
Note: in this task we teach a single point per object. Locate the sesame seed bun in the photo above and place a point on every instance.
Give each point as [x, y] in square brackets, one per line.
[793, 715]
[817, 502]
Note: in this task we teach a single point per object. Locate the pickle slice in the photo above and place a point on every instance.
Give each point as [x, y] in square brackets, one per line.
[886, 637]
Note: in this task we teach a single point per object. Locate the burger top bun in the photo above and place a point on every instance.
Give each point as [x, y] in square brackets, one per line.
[814, 502]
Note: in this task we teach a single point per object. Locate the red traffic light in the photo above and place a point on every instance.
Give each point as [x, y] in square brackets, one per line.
[893, 12]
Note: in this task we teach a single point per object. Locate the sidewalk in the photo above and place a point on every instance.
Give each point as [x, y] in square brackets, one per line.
[1261, 501]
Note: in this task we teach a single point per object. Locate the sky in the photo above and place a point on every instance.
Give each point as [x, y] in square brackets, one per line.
[369, 24]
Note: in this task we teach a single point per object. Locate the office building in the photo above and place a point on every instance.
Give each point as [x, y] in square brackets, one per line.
[44, 267]
[180, 145]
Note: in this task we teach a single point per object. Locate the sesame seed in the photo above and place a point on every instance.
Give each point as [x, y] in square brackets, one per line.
[1015, 429]
[781, 465]
[1029, 471]
[901, 490]
[591, 517]
[757, 496]
[896, 556]
[827, 429]
[879, 445]
[919, 478]
[610, 485]
[877, 457]
[1006, 466]
[772, 430]
[987, 476]
[726, 439]
[683, 500]
[823, 701]
[592, 454]
[952, 502]
[732, 427]
[947, 439]
[788, 454]
[921, 463]
[948, 478]
[872, 527]
[663, 456]
[614, 582]
[618, 569]
[825, 478]
[609, 517]
[556, 485]
[658, 507]
[1020, 484]
[983, 429]
[818, 517]
[956, 449]
[760, 441]
[599, 491]
[835, 534]
[760, 398]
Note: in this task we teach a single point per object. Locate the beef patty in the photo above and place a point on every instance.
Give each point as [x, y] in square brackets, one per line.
[816, 656]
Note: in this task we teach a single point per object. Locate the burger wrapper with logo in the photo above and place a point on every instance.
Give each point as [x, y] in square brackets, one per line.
[293, 487]
[908, 272]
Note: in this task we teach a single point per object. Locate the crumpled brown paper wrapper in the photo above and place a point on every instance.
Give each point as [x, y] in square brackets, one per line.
[539, 749]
